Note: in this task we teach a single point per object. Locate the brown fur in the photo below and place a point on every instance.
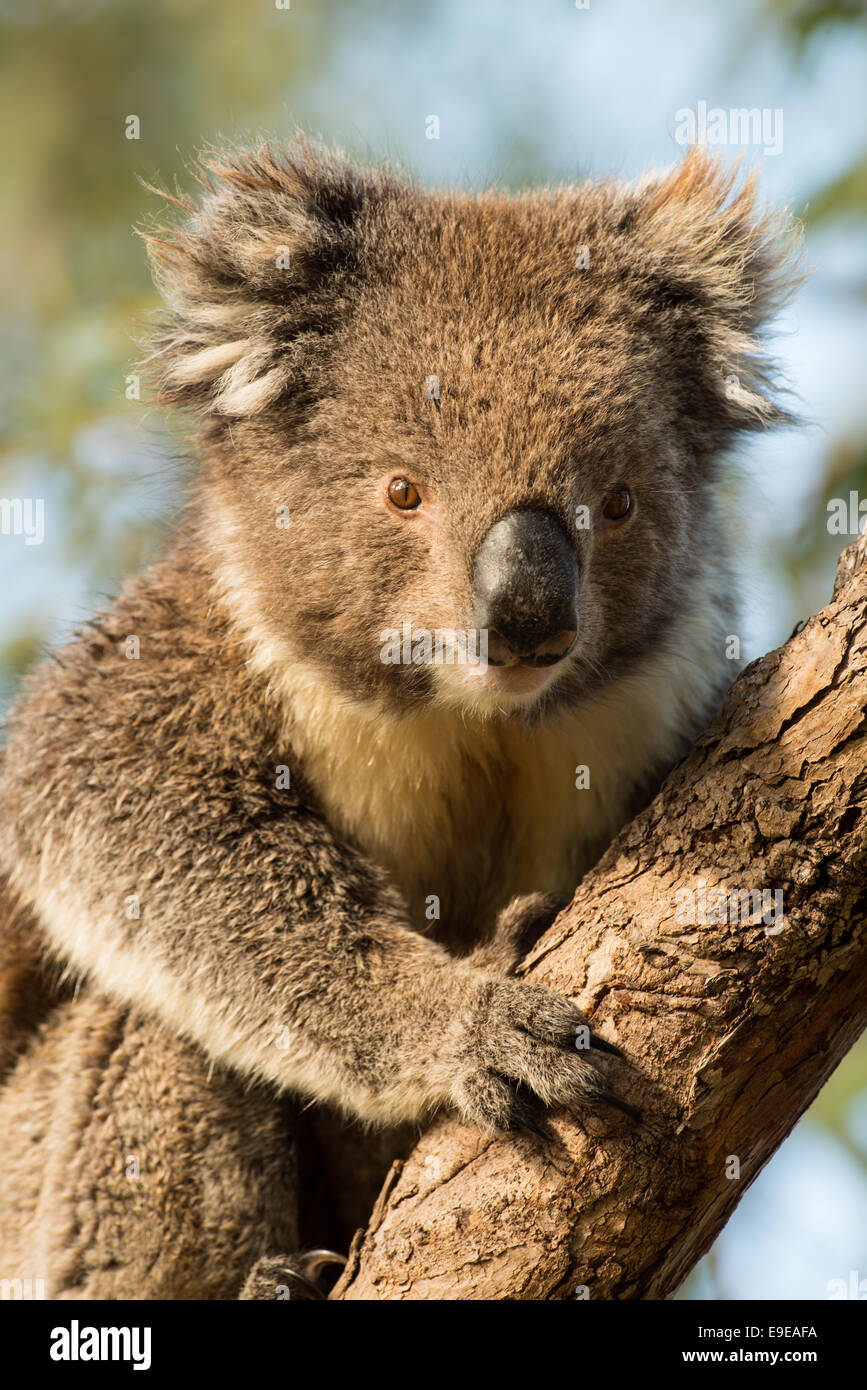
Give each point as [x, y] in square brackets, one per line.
[237, 943]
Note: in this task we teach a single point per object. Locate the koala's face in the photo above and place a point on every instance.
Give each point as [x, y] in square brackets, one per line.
[456, 426]
[475, 469]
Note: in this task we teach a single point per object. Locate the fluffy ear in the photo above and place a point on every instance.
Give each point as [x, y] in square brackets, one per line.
[717, 267]
[254, 275]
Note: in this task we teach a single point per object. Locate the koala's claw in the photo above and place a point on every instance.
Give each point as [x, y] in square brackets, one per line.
[294, 1273]
[300, 1286]
[538, 1130]
[518, 1057]
[603, 1045]
[314, 1261]
[618, 1103]
[526, 1112]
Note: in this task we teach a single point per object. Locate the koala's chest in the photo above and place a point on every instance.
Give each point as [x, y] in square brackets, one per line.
[514, 827]
[463, 822]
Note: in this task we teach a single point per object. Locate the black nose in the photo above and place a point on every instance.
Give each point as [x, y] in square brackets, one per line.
[525, 577]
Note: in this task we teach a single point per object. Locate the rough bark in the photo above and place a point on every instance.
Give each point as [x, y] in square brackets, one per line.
[730, 1029]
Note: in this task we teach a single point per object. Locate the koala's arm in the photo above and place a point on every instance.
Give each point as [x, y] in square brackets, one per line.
[142, 822]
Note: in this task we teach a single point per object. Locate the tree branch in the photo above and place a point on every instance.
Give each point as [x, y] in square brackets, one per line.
[731, 1026]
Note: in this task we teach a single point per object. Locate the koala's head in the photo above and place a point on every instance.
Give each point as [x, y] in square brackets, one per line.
[432, 412]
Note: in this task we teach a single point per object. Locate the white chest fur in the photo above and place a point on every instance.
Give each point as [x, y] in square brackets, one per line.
[474, 813]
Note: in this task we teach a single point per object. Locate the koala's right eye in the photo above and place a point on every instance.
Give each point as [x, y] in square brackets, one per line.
[403, 494]
[618, 505]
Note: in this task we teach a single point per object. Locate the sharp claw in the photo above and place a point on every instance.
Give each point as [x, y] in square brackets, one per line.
[603, 1045]
[314, 1261]
[306, 1286]
[310, 1290]
[526, 1115]
[623, 1105]
[524, 1122]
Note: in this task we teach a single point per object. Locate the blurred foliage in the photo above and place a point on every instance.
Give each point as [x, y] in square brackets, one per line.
[807, 557]
[802, 23]
[74, 281]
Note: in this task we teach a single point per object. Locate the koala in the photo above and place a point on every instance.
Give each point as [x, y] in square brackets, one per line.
[267, 863]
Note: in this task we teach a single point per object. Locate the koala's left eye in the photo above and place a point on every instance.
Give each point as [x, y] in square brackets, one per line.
[617, 505]
[403, 494]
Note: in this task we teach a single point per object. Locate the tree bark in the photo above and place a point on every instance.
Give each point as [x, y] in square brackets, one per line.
[730, 1026]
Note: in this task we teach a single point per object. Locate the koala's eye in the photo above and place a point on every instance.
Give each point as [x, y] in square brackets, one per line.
[617, 505]
[403, 494]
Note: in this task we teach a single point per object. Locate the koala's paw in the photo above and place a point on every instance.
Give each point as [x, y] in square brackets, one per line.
[517, 929]
[524, 1050]
[290, 1277]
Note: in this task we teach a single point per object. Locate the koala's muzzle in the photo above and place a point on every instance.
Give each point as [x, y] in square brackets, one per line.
[525, 579]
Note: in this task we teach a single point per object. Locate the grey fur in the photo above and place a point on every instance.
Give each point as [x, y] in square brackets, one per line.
[239, 942]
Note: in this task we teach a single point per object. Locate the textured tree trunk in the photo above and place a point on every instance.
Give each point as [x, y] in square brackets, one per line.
[731, 1023]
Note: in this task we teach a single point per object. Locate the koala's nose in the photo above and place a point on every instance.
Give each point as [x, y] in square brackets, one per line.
[525, 578]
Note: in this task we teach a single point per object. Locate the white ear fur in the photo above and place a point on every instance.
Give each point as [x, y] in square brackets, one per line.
[243, 385]
[248, 397]
[740, 362]
[209, 363]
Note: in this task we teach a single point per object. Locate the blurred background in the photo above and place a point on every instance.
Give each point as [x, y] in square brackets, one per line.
[523, 93]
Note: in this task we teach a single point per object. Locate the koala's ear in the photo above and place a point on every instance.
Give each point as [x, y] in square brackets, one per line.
[717, 268]
[254, 276]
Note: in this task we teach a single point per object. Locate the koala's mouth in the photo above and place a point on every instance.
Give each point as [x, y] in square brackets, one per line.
[517, 678]
[491, 687]
[549, 651]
